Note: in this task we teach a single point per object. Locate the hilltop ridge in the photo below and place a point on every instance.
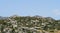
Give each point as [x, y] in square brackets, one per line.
[36, 22]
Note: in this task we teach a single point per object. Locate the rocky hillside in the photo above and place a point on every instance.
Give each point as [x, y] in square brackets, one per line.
[15, 22]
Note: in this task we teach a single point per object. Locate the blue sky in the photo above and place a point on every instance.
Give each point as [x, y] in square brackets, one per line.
[47, 8]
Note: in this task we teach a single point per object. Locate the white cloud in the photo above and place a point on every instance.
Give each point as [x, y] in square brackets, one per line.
[56, 12]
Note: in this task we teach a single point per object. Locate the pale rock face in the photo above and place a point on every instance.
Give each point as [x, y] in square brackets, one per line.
[0, 31]
[4, 30]
[16, 30]
[26, 24]
[43, 23]
[37, 20]
[14, 25]
[46, 32]
[34, 32]
[15, 16]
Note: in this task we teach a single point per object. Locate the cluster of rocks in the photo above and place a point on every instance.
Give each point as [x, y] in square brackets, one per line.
[22, 24]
